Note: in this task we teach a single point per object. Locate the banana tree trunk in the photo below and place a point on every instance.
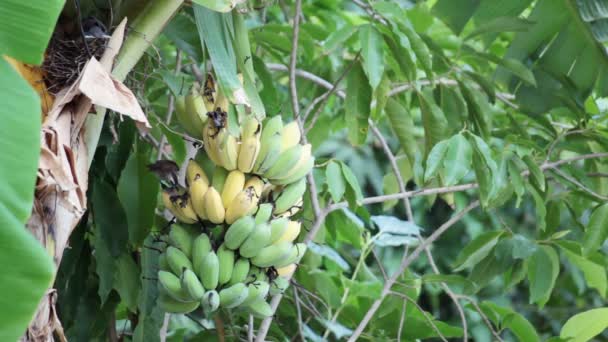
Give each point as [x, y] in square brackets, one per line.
[69, 138]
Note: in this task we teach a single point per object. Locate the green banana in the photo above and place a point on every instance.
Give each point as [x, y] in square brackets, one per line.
[238, 232]
[196, 109]
[188, 122]
[219, 178]
[305, 156]
[289, 196]
[210, 271]
[239, 271]
[171, 305]
[171, 285]
[287, 160]
[264, 213]
[256, 274]
[192, 285]
[278, 286]
[260, 309]
[177, 260]
[295, 254]
[210, 302]
[181, 238]
[163, 264]
[269, 148]
[201, 246]
[298, 174]
[255, 241]
[225, 257]
[273, 254]
[233, 296]
[290, 135]
[257, 290]
[291, 233]
[278, 227]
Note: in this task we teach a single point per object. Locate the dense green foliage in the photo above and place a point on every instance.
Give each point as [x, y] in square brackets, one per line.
[493, 109]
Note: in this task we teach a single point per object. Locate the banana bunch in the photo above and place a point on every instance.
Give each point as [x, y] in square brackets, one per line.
[253, 261]
[191, 109]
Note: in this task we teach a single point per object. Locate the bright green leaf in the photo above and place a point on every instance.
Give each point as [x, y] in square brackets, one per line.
[358, 100]
[457, 161]
[435, 159]
[596, 231]
[477, 249]
[585, 326]
[335, 181]
[372, 53]
[543, 269]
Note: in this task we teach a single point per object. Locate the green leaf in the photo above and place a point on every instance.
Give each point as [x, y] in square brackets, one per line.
[329, 253]
[510, 319]
[403, 125]
[458, 158]
[268, 94]
[478, 109]
[137, 191]
[433, 120]
[218, 5]
[451, 280]
[477, 249]
[372, 52]
[595, 274]
[27, 268]
[352, 182]
[151, 315]
[596, 231]
[455, 13]
[127, 281]
[541, 209]
[338, 37]
[543, 269]
[214, 34]
[500, 25]
[109, 217]
[358, 100]
[484, 84]
[335, 181]
[585, 326]
[395, 232]
[422, 52]
[181, 30]
[537, 175]
[517, 181]
[26, 27]
[105, 267]
[435, 159]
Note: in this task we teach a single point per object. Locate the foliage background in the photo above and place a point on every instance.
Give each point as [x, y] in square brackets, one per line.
[496, 101]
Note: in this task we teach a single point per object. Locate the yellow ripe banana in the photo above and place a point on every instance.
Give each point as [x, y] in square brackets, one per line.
[278, 285]
[195, 172]
[170, 284]
[210, 271]
[295, 255]
[181, 238]
[257, 290]
[243, 204]
[290, 135]
[169, 200]
[171, 305]
[195, 108]
[210, 134]
[291, 233]
[238, 232]
[177, 260]
[248, 152]
[201, 246]
[233, 296]
[209, 91]
[278, 227]
[287, 160]
[226, 258]
[301, 167]
[257, 183]
[188, 122]
[235, 183]
[192, 285]
[219, 178]
[184, 204]
[269, 146]
[210, 302]
[260, 308]
[255, 241]
[221, 101]
[228, 151]
[286, 271]
[214, 210]
[198, 189]
[271, 255]
[250, 127]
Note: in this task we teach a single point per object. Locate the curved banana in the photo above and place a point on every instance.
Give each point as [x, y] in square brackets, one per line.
[273, 254]
[260, 309]
[295, 255]
[256, 274]
[287, 160]
[291, 233]
[171, 305]
[264, 213]
[269, 148]
[171, 285]
[209, 91]
[248, 152]
[238, 232]
[191, 285]
[195, 172]
[255, 241]
[257, 184]
[184, 205]
[201, 246]
[198, 189]
[243, 204]
[289, 196]
[240, 271]
[301, 168]
[210, 302]
[210, 134]
[210, 271]
[228, 151]
[278, 227]
[195, 108]
[189, 123]
[278, 285]
[233, 296]
[170, 198]
[235, 182]
[226, 258]
[294, 209]
[181, 238]
[290, 136]
[214, 209]
[299, 174]
[177, 260]
[257, 290]
[286, 271]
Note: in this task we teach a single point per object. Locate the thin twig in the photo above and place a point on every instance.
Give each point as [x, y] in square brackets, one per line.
[402, 320]
[428, 319]
[405, 264]
[250, 329]
[170, 105]
[483, 316]
[299, 312]
[580, 185]
[293, 60]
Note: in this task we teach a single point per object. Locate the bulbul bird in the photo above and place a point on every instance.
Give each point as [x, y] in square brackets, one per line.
[166, 171]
